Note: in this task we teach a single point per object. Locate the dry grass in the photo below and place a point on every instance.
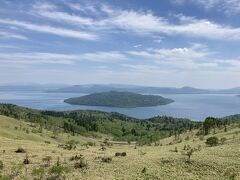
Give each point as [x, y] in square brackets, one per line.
[146, 162]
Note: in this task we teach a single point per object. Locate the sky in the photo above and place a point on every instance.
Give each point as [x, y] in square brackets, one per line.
[166, 43]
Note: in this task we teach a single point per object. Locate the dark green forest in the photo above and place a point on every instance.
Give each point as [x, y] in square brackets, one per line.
[119, 99]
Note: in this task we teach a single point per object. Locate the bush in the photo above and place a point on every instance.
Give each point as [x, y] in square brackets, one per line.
[47, 142]
[81, 164]
[72, 144]
[90, 144]
[176, 150]
[20, 150]
[144, 170]
[188, 151]
[76, 157]
[222, 140]
[1, 165]
[59, 170]
[106, 159]
[26, 160]
[212, 141]
[120, 154]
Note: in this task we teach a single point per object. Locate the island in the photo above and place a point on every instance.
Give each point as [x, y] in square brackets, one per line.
[119, 99]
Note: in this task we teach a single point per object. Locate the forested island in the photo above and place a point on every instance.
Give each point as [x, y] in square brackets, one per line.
[119, 99]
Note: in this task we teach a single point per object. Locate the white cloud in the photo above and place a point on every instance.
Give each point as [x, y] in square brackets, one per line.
[195, 57]
[226, 6]
[57, 58]
[181, 54]
[103, 56]
[137, 45]
[36, 58]
[12, 35]
[144, 23]
[51, 30]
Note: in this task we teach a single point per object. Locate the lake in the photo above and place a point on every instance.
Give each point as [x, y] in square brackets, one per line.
[192, 106]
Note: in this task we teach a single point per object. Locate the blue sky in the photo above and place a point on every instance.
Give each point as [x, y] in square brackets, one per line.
[154, 43]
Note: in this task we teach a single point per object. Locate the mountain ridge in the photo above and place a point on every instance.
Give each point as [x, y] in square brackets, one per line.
[95, 88]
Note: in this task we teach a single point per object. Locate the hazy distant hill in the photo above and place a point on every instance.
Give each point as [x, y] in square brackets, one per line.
[94, 88]
[31, 87]
[119, 99]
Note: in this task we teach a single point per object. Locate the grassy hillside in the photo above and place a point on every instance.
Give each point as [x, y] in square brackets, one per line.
[21, 130]
[164, 159]
[119, 99]
[95, 123]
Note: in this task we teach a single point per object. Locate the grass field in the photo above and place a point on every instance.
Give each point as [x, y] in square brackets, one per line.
[165, 159]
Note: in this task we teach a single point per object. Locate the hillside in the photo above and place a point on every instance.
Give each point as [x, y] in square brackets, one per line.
[49, 157]
[96, 123]
[119, 99]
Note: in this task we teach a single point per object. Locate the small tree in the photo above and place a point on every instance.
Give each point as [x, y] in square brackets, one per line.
[212, 141]
[188, 151]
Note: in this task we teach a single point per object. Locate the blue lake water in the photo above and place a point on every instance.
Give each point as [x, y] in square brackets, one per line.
[193, 106]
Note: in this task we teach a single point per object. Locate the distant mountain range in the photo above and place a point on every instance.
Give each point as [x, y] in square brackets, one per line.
[95, 88]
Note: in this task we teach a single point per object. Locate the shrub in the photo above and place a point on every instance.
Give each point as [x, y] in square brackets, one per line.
[222, 140]
[20, 150]
[175, 150]
[120, 154]
[76, 157]
[59, 170]
[188, 151]
[90, 143]
[72, 144]
[212, 141]
[81, 164]
[1, 165]
[187, 138]
[47, 142]
[26, 160]
[144, 170]
[231, 174]
[106, 159]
